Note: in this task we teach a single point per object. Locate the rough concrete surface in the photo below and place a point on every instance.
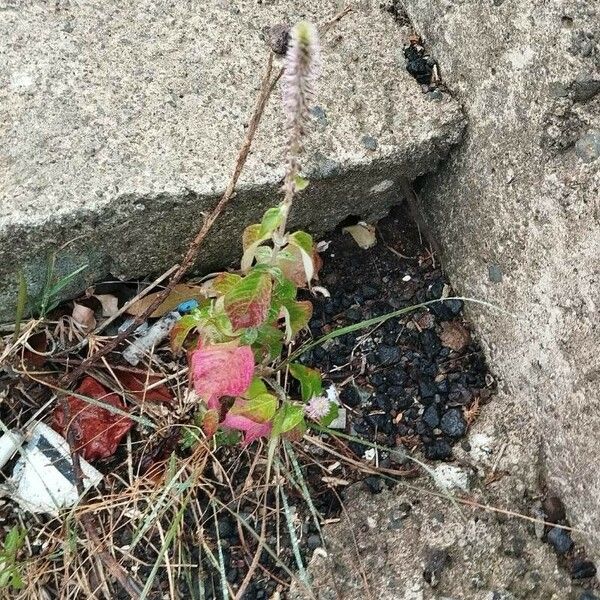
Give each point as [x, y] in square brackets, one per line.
[385, 545]
[120, 123]
[517, 213]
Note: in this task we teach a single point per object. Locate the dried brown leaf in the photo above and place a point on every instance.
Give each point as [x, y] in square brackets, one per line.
[363, 234]
[83, 316]
[455, 336]
[110, 304]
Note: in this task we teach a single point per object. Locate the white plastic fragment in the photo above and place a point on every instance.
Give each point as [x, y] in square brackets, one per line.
[370, 454]
[340, 421]
[10, 442]
[43, 480]
[139, 330]
[319, 289]
[154, 336]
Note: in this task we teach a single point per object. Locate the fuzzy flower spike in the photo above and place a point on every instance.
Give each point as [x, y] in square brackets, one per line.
[302, 64]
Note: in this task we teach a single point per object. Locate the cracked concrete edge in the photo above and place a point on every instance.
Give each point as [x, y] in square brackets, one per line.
[381, 549]
[112, 149]
[142, 236]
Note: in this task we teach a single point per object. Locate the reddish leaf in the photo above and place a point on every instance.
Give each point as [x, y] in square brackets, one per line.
[210, 423]
[247, 304]
[98, 431]
[137, 386]
[221, 370]
[251, 429]
[291, 262]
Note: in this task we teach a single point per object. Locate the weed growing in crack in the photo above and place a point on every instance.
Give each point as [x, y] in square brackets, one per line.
[253, 315]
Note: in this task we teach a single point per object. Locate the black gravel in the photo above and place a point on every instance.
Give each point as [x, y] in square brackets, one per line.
[582, 569]
[560, 539]
[401, 385]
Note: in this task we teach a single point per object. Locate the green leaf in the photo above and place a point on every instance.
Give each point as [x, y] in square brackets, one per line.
[310, 380]
[181, 330]
[270, 339]
[284, 291]
[298, 315]
[189, 438]
[331, 416]
[270, 222]
[300, 183]
[231, 437]
[263, 255]
[260, 409]
[247, 304]
[225, 282]
[256, 388]
[249, 336]
[251, 240]
[287, 417]
[303, 240]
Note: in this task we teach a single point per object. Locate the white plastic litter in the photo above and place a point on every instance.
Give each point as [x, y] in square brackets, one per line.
[43, 480]
[156, 334]
[10, 442]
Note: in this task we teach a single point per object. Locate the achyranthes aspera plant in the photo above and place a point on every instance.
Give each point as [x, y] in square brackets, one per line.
[242, 328]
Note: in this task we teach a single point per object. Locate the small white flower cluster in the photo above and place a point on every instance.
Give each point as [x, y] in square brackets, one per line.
[318, 407]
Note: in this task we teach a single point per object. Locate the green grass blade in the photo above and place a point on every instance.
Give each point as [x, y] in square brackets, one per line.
[293, 537]
[299, 483]
[376, 321]
[445, 492]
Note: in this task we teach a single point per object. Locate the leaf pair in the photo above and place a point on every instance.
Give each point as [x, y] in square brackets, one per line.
[259, 233]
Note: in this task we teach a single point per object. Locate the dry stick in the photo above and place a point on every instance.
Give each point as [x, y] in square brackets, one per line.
[192, 252]
[472, 503]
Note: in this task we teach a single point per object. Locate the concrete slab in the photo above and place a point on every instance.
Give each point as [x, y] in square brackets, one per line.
[516, 212]
[120, 122]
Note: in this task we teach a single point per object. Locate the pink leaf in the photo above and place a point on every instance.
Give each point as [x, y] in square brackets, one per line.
[252, 430]
[221, 370]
